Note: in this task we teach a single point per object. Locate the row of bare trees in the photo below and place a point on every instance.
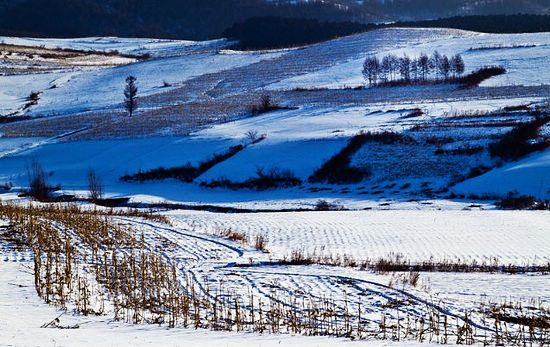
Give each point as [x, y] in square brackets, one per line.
[407, 70]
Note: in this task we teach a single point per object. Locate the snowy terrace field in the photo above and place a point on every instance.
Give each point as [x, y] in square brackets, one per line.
[417, 251]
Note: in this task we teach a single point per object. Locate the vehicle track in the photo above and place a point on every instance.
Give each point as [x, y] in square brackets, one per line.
[273, 284]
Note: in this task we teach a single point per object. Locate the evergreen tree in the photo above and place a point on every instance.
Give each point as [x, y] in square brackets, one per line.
[130, 94]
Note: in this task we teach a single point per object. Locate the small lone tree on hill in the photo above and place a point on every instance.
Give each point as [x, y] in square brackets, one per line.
[130, 94]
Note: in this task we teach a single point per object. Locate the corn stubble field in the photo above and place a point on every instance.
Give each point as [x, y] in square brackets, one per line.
[100, 263]
[275, 197]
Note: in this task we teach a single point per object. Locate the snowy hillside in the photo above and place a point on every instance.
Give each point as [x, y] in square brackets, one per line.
[184, 85]
[266, 198]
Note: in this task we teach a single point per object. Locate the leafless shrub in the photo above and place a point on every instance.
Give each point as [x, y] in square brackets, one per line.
[252, 135]
[265, 102]
[37, 182]
[323, 205]
[265, 105]
[33, 97]
[260, 242]
[233, 235]
[95, 187]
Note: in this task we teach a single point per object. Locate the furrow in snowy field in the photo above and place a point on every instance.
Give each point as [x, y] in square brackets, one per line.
[512, 237]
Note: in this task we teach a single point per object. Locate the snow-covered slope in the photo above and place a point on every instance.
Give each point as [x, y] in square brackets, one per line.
[518, 53]
[200, 83]
[529, 176]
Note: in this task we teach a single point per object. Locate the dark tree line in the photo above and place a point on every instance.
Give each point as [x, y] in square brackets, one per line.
[497, 24]
[207, 19]
[277, 32]
[178, 19]
[393, 69]
[428, 9]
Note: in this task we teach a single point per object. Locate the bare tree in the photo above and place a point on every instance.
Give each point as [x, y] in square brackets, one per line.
[385, 68]
[130, 94]
[94, 186]
[371, 69]
[394, 66]
[414, 69]
[424, 66]
[457, 66]
[445, 67]
[405, 68]
[435, 63]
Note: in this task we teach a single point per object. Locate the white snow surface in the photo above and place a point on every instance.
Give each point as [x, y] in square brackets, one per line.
[97, 88]
[512, 237]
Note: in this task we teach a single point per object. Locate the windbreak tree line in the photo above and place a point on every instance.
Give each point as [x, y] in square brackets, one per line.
[404, 70]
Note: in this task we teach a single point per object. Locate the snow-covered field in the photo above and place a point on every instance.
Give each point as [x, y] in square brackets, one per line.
[511, 237]
[191, 243]
[428, 197]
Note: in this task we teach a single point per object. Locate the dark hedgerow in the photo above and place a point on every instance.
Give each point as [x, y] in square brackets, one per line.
[521, 140]
[475, 78]
[264, 180]
[338, 169]
[465, 150]
[186, 173]
[514, 202]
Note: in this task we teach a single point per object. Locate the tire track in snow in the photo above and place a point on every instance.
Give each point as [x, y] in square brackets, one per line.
[380, 292]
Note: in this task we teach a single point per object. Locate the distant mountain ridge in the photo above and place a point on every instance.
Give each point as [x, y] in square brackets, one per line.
[206, 19]
[184, 19]
[432, 9]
